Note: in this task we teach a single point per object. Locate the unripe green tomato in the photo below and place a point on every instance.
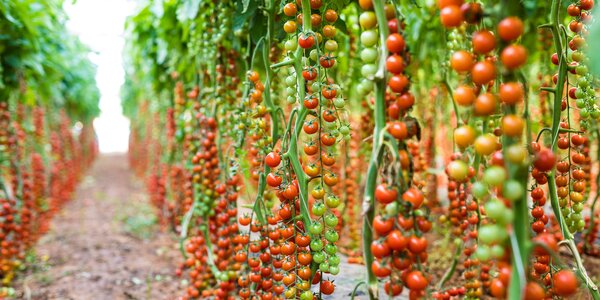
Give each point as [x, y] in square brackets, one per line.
[331, 45]
[332, 236]
[577, 56]
[367, 19]
[419, 213]
[360, 89]
[339, 103]
[324, 267]
[483, 253]
[316, 86]
[334, 260]
[223, 277]
[479, 189]
[290, 81]
[581, 70]
[347, 137]
[391, 209]
[368, 38]
[368, 55]
[580, 103]
[344, 129]
[316, 245]
[369, 84]
[290, 45]
[315, 228]
[290, 91]
[578, 207]
[513, 190]
[318, 257]
[507, 217]
[583, 82]
[318, 209]
[492, 234]
[580, 225]
[331, 220]
[332, 201]
[307, 295]
[584, 113]
[495, 209]
[595, 113]
[291, 99]
[516, 154]
[494, 175]
[330, 249]
[368, 70]
[497, 251]
[314, 55]
[334, 270]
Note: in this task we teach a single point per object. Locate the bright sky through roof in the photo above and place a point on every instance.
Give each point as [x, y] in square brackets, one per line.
[100, 25]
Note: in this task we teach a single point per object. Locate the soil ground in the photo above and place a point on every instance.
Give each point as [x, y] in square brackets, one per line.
[104, 244]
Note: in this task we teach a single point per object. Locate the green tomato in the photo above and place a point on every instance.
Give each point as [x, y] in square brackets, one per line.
[391, 209]
[332, 236]
[497, 251]
[339, 103]
[334, 270]
[330, 249]
[331, 220]
[290, 45]
[516, 154]
[324, 267]
[513, 190]
[368, 84]
[578, 207]
[344, 129]
[318, 209]
[331, 45]
[494, 176]
[307, 295]
[483, 253]
[332, 201]
[495, 209]
[314, 55]
[479, 190]
[291, 99]
[368, 55]
[315, 228]
[290, 81]
[368, 70]
[316, 245]
[368, 38]
[334, 260]
[492, 233]
[318, 257]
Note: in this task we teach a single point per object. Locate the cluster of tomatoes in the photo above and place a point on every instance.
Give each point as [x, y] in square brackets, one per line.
[35, 184]
[264, 166]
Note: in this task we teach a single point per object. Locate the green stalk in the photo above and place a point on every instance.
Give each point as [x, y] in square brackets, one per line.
[376, 155]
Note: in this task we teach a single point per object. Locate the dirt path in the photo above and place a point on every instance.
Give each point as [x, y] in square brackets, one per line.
[104, 245]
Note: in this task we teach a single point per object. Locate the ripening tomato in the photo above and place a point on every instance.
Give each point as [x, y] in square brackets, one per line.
[273, 159]
[290, 9]
[485, 104]
[464, 136]
[510, 28]
[327, 287]
[512, 125]
[398, 83]
[483, 41]
[395, 43]
[382, 226]
[451, 16]
[398, 129]
[464, 95]
[414, 196]
[416, 281]
[497, 288]
[564, 283]
[396, 240]
[462, 61]
[483, 72]
[534, 291]
[513, 56]
[385, 194]
[395, 64]
[545, 160]
[512, 93]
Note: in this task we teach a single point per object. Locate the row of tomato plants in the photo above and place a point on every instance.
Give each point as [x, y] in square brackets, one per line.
[269, 130]
[48, 100]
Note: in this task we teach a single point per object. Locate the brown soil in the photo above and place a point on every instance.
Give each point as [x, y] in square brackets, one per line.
[94, 249]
